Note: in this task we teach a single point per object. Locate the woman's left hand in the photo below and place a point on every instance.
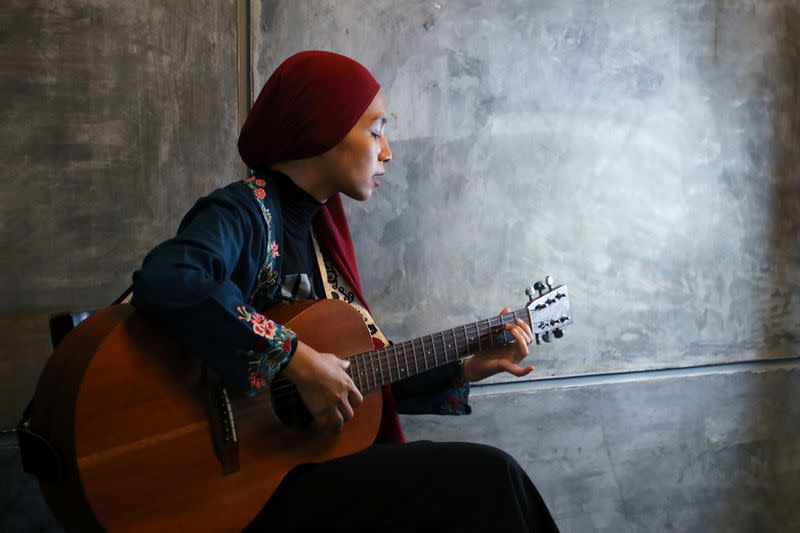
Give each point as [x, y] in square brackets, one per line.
[503, 358]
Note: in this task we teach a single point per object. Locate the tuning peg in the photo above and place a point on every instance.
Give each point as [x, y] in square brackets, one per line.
[539, 286]
[529, 292]
[536, 336]
[549, 281]
[558, 333]
[546, 336]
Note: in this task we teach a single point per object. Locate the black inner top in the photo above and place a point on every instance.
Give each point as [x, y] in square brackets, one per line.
[300, 278]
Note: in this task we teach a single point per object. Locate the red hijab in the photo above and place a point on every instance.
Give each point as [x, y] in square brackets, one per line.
[308, 105]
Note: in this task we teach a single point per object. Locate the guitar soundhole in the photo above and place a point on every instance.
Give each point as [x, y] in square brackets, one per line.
[287, 404]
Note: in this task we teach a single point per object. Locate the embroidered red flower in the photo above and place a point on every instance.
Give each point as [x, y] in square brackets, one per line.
[287, 345]
[260, 194]
[257, 380]
[265, 329]
[377, 343]
[455, 402]
[250, 179]
[261, 183]
[274, 247]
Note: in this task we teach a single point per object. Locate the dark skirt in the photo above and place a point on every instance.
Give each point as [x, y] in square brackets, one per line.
[418, 486]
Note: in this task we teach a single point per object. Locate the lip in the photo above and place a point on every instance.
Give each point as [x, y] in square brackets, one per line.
[377, 179]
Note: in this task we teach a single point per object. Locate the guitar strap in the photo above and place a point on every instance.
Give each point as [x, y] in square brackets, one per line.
[337, 288]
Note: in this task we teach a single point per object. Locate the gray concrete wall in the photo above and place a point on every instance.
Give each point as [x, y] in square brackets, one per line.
[644, 153]
[116, 117]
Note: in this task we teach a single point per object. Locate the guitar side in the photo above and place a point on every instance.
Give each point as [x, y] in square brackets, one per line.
[124, 407]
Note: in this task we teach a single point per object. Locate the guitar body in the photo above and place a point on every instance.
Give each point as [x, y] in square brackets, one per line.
[124, 407]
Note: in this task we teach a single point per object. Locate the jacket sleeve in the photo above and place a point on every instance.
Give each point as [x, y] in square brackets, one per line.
[185, 285]
[441, 391]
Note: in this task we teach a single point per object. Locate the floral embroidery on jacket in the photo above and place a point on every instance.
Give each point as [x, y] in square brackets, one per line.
[265, 364]
[268, 275]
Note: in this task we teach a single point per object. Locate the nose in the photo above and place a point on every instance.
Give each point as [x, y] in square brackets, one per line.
[385, 155]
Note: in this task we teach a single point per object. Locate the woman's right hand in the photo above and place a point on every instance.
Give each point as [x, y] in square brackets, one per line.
[324, 385]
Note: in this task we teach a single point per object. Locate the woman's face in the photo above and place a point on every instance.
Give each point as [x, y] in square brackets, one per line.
[355, 165]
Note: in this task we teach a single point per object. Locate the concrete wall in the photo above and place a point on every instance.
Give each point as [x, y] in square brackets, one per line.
[644, 153]
[116, 117]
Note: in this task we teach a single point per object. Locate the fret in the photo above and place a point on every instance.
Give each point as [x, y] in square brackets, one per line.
[455, 344]
[414, 355]
[478, 335]
[380, 367]
[405, 359]
[397, 363]
[374, 375]
[388, 364]
[466, 340]
[444, 347]
[354, 372]
[433, 345]
[363, 371]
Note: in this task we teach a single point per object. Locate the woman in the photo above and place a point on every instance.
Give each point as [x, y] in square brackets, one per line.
[317, 130]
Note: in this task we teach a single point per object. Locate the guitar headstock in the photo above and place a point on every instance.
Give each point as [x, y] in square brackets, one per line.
[548, 309]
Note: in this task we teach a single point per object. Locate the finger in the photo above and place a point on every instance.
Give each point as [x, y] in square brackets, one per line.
[339, 424]
[354, 397]
[344, 364]
[336, 421]
[345, 410]
[521, 346]
[516, 327]
[322, 420]
[526, 328]
[511, 368]
[505, 310]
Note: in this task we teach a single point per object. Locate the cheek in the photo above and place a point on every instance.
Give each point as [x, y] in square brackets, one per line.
[367, 155]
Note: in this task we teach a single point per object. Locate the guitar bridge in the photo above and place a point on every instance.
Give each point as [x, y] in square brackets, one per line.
[221, 423]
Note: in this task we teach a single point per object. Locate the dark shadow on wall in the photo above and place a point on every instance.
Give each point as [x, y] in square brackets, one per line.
[762, 471]
[782, 325]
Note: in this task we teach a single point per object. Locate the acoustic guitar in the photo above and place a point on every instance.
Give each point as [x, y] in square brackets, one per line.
[147, 442]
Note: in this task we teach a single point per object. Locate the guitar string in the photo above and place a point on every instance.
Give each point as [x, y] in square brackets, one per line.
[384, 355]
[397, 351]
[391, 352]
[290, 399]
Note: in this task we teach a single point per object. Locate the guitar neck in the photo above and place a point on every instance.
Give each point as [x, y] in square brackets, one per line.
[371, 370]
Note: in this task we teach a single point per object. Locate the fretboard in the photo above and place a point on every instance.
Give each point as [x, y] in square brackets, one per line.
[371, 370]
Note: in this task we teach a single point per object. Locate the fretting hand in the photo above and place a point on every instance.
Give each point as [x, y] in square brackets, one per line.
[503, 358]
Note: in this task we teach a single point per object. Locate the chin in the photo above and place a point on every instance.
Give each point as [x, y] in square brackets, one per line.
[360, 195]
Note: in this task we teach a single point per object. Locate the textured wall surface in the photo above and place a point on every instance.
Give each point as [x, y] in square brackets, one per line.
[644, 153]
[116, 117]
[709, 452]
